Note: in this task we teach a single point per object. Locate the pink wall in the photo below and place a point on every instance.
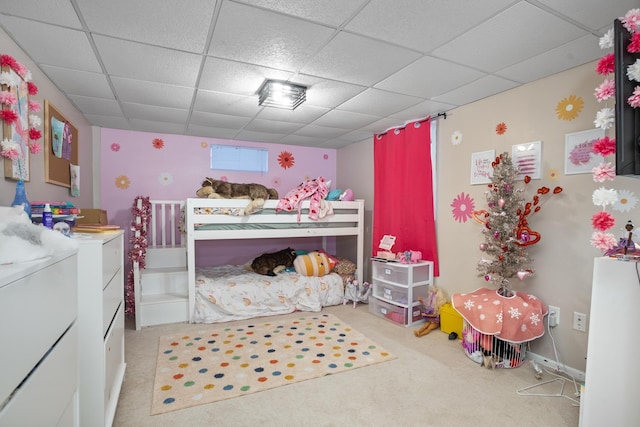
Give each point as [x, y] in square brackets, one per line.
[172, 167]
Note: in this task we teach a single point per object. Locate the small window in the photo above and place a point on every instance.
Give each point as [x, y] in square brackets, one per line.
[245, 159]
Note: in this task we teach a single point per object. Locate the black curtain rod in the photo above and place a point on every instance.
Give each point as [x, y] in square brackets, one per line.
[443, 114]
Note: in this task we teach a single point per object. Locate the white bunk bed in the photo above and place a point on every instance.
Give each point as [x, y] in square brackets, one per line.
[219, 219]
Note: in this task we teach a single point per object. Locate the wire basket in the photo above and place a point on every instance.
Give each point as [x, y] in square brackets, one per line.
[491, 351]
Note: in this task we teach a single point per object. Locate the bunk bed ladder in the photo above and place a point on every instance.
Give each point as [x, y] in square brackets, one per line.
[161, 288]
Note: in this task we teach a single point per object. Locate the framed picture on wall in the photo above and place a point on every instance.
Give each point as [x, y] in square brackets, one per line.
[578, 151]
[528, 159]
[481, 169]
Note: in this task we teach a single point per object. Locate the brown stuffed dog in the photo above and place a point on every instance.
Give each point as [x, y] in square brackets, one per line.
[257, 193]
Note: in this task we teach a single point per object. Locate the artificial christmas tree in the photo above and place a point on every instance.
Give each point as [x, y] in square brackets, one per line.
[506, 229]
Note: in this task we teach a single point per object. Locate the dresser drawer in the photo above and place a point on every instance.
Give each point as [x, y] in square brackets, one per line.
[35, 310]
[45, 398]
[112, 296]
[111, 259]
[114, 360]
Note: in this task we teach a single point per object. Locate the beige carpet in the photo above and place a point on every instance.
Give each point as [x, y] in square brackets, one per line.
[221, 361]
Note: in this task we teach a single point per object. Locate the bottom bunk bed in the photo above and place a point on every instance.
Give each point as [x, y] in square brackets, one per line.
[224, 293]
[231, 292]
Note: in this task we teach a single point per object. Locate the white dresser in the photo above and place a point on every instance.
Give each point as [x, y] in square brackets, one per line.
[38, 332]
[100, 326]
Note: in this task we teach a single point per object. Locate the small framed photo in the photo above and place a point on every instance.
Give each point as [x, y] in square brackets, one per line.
[578, 151]
[528, 159]
[481, 168]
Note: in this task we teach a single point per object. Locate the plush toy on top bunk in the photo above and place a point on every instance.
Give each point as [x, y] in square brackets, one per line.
[257, 193]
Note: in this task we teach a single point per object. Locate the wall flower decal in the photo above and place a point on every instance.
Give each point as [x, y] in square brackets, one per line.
[553, 174]
[501, 128]
[165, 178]
[627, 200]
[286, 160]
[115, 147]
[123, 182]
[456, 137]
[157, 143]
[462, 207]
[569, 108]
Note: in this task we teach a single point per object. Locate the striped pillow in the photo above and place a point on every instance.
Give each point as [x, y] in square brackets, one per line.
[312, 264]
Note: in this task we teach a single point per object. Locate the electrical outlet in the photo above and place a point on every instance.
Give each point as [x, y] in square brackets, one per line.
[579, 321]
[554, 316]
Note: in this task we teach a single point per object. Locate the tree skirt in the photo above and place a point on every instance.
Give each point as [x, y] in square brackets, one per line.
[516, 319]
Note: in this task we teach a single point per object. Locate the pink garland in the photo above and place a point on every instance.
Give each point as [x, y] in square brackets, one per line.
[141, 209]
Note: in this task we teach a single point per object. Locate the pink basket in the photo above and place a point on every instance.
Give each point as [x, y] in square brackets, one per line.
[484, 349]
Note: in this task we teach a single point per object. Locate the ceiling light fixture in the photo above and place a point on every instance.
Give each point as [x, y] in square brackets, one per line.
[281, 94]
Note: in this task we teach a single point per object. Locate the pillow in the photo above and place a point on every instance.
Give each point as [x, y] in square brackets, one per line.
[344, 266]
[312, 264]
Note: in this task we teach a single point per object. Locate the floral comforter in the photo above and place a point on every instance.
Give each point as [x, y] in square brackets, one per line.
[229, 292]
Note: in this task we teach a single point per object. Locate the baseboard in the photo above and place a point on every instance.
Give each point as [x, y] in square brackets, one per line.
[552, 365]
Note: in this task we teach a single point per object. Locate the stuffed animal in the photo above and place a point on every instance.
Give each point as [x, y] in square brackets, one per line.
[257, 193]
[312, 264]
[272, 263]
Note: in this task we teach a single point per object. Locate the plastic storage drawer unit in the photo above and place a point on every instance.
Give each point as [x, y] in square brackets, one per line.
[398, 273]
[393, 312]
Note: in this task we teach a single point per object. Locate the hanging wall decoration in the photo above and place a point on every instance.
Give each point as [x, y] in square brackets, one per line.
[20, 125]
[61, 146]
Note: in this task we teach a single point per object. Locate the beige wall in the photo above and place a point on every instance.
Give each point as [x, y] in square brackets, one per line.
[37, 189]
[563, 259]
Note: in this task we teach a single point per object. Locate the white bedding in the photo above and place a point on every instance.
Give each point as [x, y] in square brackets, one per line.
[230, 292]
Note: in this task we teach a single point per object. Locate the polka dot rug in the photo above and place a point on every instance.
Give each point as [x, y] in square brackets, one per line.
[226, 361]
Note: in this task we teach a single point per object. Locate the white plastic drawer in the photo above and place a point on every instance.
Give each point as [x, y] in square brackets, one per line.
[397, 294]
[399, 273]
[393, 312]
[111, 259]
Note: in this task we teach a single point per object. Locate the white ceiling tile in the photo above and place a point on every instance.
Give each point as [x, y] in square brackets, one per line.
[236, 77]
[61, 47]
[57, 12]
[327, 93]
[305, 141]
[428, 77]
[572, 54]
[247, 135]
[108, 121]
[345, 119]
[421, 110]
[76, 82]
[97, 106]
[218, 120]
[226, 103]
[265, 38]
[594, 14]
[432, 22]
[379, 103]
[330, 12]
[211, 132]
[479, 89]
[153, 113]
[157, 126]
[152, 93]
[142, 62]
[511, 36]
[179, 26]
[358, 60]
[303, 114]
[272, 126]
[318, 131]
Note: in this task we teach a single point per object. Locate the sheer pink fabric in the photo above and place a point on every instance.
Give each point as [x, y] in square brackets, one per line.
[403, 191]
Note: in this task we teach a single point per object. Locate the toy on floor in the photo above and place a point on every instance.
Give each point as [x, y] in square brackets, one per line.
[356, 292]
[431, 310]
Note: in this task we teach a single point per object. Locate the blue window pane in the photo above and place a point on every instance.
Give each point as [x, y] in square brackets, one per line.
[245, 159]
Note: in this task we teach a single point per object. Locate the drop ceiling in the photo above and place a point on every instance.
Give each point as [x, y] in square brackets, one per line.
[194, 67]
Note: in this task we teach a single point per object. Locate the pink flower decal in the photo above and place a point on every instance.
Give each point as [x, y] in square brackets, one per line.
[462, 207]
[115, 147]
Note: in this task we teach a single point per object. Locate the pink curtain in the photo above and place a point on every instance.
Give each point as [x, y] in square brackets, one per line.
[403, 191]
